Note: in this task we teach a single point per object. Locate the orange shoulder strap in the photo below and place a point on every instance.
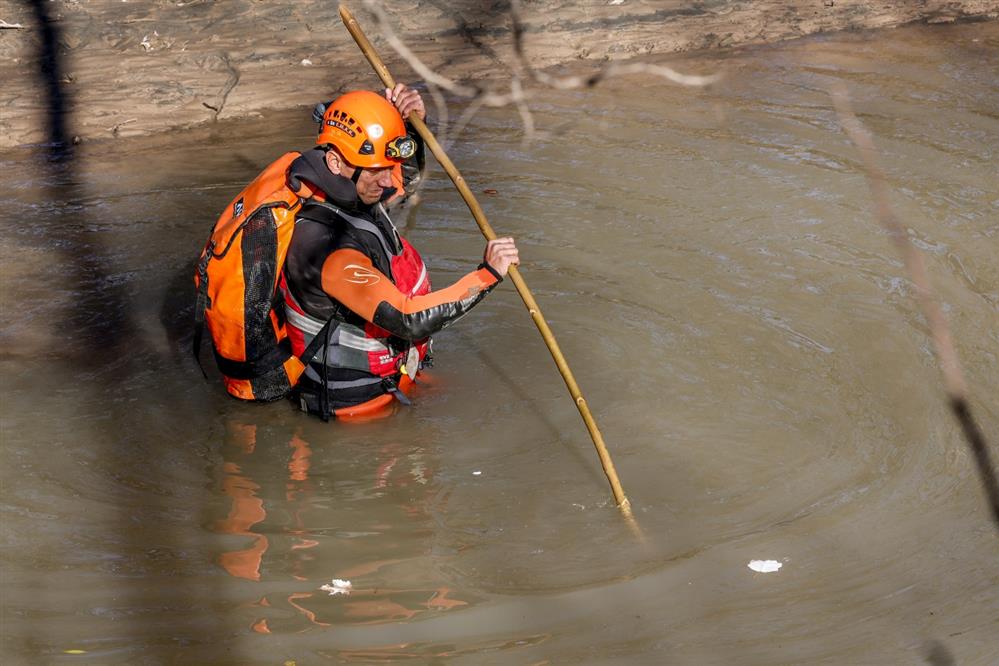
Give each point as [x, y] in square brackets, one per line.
[270, 187]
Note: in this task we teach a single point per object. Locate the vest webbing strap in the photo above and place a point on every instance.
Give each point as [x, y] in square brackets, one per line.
[200, 304]
[356, 222]
[270, 361]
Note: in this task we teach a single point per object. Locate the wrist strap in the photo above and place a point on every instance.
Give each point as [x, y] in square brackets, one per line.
[499, 278]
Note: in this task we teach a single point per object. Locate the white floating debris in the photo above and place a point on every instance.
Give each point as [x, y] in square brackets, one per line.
[146, 44]
[477, 473]
[765, 566]
[617, 2]
[306, 62]
[337, 586]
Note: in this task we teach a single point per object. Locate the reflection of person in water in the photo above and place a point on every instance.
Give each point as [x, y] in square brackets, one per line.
[257, 496]
[247, 509]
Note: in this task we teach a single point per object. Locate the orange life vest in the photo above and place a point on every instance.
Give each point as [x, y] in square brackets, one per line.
[237, 279]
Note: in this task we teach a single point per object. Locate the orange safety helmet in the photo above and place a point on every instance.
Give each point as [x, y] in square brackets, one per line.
[367, 130]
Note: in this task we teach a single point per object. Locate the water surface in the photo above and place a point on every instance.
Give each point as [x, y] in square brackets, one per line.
[741, 328]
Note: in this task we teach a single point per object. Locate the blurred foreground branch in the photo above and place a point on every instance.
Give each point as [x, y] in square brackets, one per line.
[521, 76]
[612, 70]
[915, 265]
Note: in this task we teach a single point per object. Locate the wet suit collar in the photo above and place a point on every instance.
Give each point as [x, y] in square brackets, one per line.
[339, 190]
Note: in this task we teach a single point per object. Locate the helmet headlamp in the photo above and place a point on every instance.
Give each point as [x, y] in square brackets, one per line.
[401, 148]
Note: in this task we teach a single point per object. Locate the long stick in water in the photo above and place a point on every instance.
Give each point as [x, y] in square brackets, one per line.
[518, 281]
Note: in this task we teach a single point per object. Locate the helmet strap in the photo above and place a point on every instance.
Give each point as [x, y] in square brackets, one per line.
[357, 175]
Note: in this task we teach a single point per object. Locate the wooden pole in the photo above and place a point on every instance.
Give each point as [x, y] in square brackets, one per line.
[514, 273]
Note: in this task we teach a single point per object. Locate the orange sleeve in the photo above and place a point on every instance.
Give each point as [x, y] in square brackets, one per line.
[349, 277]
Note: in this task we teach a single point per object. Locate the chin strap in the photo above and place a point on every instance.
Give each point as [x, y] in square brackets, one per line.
[357, 175]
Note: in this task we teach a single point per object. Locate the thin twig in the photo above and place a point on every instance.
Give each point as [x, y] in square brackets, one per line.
[227, 88]
[428, 75]
[915, 264]
[517, 92]
[614, 69]
[114, 128]
[519, 95]
[466, 117]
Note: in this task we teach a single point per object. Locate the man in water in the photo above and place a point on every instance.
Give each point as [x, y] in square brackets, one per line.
[347, 262]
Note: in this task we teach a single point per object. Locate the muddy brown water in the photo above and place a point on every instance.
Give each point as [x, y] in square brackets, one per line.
[743, 332]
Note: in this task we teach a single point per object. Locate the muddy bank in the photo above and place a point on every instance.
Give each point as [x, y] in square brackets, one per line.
[136, 67]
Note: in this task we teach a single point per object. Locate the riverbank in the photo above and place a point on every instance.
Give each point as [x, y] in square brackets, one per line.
[132, 68]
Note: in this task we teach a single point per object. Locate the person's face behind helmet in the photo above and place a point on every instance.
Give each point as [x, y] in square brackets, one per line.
[369, 183]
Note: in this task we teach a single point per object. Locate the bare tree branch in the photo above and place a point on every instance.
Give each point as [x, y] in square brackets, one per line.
[915, 264]
[517, 93]
[397, 45]
[523, 70]
[614, 69]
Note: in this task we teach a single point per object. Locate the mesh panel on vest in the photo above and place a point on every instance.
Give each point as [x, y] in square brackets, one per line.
[259, 249]
[271, 386]
[259, 245]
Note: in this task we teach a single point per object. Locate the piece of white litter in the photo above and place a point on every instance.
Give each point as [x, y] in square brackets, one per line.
[337, 586]
[476, 473]
[306, 62]
[765, 566]
[617, 2]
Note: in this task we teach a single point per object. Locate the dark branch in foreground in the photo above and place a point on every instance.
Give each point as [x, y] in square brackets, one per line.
[943, 343]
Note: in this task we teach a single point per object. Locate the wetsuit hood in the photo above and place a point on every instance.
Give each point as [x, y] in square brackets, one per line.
[339, 190]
